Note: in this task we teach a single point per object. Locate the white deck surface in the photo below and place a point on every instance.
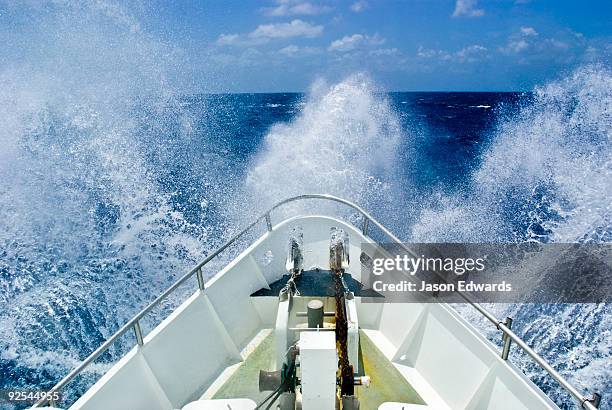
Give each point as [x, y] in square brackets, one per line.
[195, 350]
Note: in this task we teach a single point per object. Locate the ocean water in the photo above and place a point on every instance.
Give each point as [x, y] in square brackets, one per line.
[98, 219]
[114, 182]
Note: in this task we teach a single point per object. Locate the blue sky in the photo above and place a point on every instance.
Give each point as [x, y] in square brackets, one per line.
[283, 45]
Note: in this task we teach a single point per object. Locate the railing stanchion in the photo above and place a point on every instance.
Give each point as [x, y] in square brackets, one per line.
[269, 222]
[595, 401]
[138, 333]
[364, 228]
[508, 335]
[506, 339]
[200, 279]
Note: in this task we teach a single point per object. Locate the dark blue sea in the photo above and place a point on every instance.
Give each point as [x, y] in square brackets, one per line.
[105, 202]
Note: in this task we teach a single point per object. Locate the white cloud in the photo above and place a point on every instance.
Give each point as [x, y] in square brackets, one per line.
[296, 28]
[385, 52]
[290, 50]
[266, 32]
[531, 45]
[557, 43]
[515, 46]
[295, 8]
[359, 6]
[228, 39]
[428, 53]
[528, 31]
[296, 51]
[238, 40]
[350, 43]
[469, 54]
[520, 41]
[467, 8]
[346, 43]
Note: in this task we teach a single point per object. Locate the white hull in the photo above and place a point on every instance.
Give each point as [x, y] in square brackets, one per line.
[193, 352]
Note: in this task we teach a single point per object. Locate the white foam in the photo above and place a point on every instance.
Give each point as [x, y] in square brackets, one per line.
[343, 141]
[70, 158]
[548, 170]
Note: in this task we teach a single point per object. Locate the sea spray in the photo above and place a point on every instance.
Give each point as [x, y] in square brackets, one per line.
[87, 237]
[344, 142]
[546, 177]
[112, 186]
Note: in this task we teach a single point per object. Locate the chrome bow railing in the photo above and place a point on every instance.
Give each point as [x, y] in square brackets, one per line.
[134, 324]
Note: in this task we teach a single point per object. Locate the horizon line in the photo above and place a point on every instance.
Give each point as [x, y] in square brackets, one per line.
[386, 92]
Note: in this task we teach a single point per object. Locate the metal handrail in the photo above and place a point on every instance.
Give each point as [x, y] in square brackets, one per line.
[134, 323]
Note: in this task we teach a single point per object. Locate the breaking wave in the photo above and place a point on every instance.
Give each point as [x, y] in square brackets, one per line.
[345, 141]
[111, 186]
[546, 177]
[88, 234]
